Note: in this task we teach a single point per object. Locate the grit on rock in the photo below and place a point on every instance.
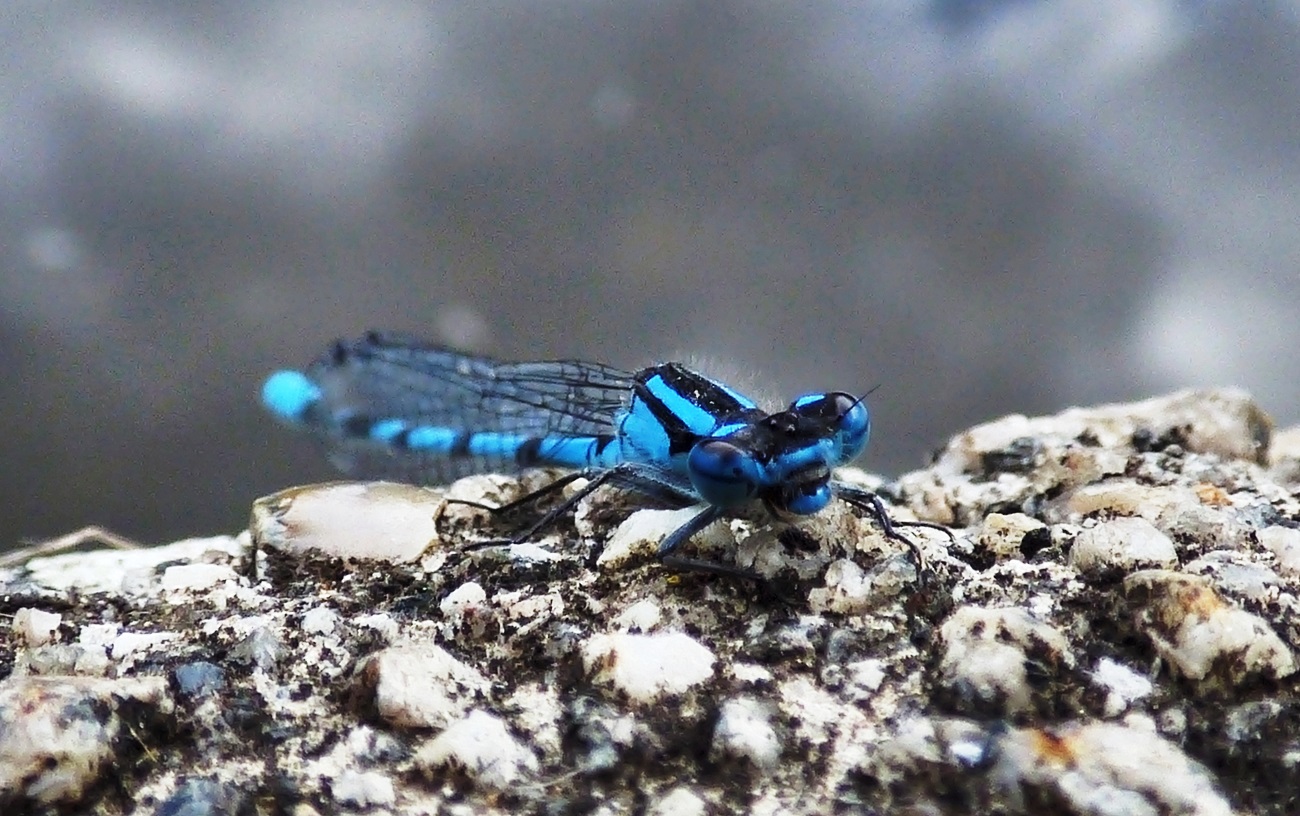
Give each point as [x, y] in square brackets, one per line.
[1115, 616]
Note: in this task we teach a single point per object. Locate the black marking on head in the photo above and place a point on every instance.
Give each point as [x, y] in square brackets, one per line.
[788, 430]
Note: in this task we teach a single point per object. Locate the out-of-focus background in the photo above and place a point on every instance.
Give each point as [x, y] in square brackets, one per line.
[983, 207]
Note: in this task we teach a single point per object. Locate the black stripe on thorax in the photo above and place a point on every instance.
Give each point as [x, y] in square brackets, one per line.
[694, 388]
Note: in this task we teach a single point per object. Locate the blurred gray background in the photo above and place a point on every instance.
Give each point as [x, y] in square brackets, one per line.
[984, 207]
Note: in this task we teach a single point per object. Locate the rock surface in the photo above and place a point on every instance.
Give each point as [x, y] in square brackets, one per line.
[1115, 617]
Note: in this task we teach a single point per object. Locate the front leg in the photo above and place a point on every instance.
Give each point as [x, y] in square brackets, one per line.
[668, 548]
[869, 501]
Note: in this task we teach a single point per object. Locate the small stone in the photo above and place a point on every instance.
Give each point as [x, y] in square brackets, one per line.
[1172, 723]
[647, 667]
[1122, 685]
[536, 710]
[1003, 535]
[1105, 769]
[99, 634]
[1125, 497]
[52, 658]
[1123, 544]
[319, 620]
[1284, 455]
[363, 789]
[864, 677]
[1212, 494]
[744, 730]
[196, 577]
[383, 623]
[92, 662]
[1248, 721]
[1284, 543]
[420, 685]
[128, 643]
[36, 627]
[530, 607]
[750, 673]
[482, 747]
[641, 533]
[261, 647]
[641, 616]
[199, 796]
[680, 801]
[848, 590]
[1235, 576]
[381, 521]
[125, 572]
[1200, 634]
[370, 745]
[461, 600]
[985, 653]
[1224, 421]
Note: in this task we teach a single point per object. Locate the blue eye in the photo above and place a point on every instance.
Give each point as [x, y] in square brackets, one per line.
[809, 500]
[845, 415]
[722, 473]
[854, 428]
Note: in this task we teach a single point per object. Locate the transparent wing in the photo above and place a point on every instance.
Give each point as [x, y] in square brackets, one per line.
[389, 376]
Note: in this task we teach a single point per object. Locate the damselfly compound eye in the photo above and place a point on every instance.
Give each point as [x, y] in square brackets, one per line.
[722, 472]
[847, 422]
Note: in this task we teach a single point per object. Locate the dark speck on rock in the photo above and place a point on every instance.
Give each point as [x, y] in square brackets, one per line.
[1017, 457]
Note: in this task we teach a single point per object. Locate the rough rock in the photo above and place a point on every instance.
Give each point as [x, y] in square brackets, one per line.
[1111, 629]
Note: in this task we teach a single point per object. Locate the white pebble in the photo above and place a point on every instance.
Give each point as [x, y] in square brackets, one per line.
[641, 616]
[129, 642]
[1123, 686]
[641, 533]
[196, 577]
[320, 620]
[363, 788]
[1004, 534]
[681, 801]
[646, 667]
[985, 652]
[35, 627]
[745, 730]
[420, 685]
[1199, 632]
[1124, 544]
[365, 520]
[482, 746]
[1284, 543]
[463, 598]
